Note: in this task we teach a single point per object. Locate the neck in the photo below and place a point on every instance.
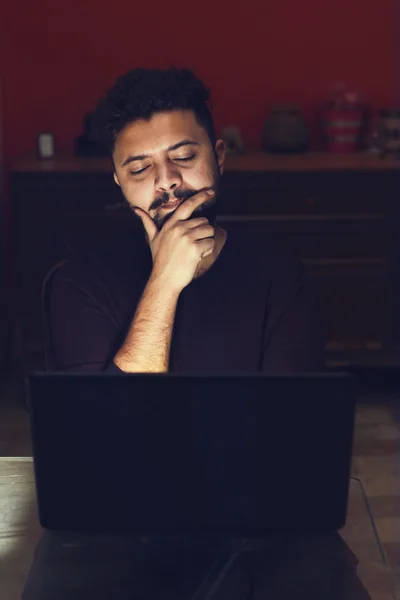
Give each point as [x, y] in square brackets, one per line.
[206, 263]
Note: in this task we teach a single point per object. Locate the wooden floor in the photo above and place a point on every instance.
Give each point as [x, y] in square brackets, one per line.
[376, 461]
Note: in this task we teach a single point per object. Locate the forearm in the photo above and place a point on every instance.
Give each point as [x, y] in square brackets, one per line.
[147, 345]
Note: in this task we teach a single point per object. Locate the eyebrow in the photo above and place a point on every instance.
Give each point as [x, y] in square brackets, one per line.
[130, 159]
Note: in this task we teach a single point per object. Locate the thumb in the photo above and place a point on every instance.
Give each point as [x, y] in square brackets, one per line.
[148, 223]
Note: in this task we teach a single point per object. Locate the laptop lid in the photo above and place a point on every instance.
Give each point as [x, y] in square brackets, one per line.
[181, 454]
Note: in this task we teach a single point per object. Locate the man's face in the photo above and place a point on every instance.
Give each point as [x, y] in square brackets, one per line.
[161, 162]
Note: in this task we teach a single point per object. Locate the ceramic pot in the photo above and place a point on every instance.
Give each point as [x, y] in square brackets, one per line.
[285, 131]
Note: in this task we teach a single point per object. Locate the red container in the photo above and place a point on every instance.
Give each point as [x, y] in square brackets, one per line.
[342, 129]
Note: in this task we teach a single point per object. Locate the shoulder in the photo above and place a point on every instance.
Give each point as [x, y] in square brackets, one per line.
[101, 267]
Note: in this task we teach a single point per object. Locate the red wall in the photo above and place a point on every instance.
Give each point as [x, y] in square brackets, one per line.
[57, 57]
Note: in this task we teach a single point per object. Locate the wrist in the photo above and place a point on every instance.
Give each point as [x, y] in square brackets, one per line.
[162, 287]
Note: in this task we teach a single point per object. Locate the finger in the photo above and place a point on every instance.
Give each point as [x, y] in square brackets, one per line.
[201, 232]
[193, 223]
[185, 210]
[205, 246]
[148, 223]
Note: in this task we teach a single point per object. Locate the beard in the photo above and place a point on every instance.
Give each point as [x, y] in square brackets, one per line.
[208, 209]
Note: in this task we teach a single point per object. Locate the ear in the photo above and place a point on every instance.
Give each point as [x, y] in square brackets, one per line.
[220, 153]
[116, 179]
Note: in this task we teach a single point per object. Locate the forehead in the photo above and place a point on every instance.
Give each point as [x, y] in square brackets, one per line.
[159, 132]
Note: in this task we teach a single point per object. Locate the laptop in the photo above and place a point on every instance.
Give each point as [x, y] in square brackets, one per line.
[155, 454]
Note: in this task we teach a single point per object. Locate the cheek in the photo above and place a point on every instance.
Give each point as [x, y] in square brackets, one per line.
[200, 177]
[136, 195]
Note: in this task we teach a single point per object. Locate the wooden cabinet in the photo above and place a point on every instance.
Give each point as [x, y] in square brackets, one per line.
[339, 214]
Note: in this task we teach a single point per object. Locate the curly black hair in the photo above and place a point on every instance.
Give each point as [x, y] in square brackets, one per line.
[141, 93]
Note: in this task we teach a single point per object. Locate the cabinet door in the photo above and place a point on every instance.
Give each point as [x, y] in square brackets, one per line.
[355, 300]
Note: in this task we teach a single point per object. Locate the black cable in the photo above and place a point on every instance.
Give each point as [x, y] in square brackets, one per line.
[250, 577]
[220, 568]
[214, 577]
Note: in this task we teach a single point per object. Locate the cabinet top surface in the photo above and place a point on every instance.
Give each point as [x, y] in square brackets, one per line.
[249, 162]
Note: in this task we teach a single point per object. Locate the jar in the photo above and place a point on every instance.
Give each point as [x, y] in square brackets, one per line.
[389, 130]
[285, 131]
[342, 128]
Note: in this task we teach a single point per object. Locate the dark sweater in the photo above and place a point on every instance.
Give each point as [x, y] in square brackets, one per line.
[251, 312]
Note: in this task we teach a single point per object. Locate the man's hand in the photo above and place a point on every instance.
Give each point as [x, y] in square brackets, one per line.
[181, 244]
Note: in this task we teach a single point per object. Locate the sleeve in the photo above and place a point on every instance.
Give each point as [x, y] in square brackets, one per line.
[83, 337]
[293, 335]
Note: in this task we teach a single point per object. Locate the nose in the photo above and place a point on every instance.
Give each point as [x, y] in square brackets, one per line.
[168, 178]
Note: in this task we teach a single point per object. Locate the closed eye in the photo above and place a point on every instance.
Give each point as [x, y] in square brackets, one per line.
[139, 172]
[186, 159]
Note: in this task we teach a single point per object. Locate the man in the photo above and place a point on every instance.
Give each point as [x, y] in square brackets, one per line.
[194, 297]
[191, 297]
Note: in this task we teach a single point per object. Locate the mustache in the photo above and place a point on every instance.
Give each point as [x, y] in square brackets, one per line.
[177, 195]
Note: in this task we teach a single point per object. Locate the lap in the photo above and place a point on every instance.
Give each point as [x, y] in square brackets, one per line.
[81, 567]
